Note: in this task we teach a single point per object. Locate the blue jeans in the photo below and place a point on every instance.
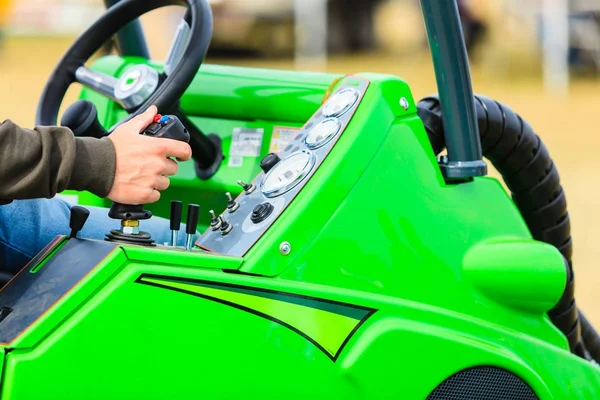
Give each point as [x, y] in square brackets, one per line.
[27, 226]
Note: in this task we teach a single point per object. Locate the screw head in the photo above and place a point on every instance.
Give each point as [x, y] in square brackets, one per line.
[285, 248]
[404, 103]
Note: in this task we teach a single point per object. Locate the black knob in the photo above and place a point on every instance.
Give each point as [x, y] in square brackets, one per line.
[126, 211]
[82, 118]
[269, 162]
[175, 217]
[192, 219]
[78, 217]
[261, 212]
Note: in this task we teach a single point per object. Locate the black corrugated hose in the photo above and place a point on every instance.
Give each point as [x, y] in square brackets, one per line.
[511, 145]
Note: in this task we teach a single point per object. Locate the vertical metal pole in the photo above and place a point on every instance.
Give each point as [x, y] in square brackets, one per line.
[453, 77]
[131, 37]
[310, 24]
[555, 17]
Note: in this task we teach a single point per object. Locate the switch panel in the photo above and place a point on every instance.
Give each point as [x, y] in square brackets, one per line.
[284, 175]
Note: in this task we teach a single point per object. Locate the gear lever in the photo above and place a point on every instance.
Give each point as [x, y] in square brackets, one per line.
[191, 224]
[176, 207]
[78, 217]
[82, 118]
[167, 127]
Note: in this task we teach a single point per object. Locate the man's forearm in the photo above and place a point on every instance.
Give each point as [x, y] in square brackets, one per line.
[41, 162]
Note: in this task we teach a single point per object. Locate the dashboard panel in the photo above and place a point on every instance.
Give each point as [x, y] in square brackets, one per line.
[283, 175]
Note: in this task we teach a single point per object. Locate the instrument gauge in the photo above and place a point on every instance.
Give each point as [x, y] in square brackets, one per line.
[287, 173]
[340, 102]
[323, 133]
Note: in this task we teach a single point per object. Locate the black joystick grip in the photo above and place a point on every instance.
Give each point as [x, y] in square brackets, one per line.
[192, 219]
[176, 207]
[78, 217]
[167, 127]
[164, 126]
[82, 118]
[129, 212]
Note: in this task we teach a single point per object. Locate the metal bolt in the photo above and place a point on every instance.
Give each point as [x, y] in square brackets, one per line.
[285, 248]
[404, 103]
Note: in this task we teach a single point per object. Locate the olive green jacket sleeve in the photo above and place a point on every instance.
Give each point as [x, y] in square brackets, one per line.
[41, 162]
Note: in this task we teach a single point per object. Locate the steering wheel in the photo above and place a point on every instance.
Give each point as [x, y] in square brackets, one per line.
[140, 86]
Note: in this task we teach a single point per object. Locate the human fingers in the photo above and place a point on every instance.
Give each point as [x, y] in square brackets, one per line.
[141, 121]
[162, 183]
[171, 167]
[173, 148]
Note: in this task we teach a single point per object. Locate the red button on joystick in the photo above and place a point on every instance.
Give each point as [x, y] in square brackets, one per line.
[157, 117]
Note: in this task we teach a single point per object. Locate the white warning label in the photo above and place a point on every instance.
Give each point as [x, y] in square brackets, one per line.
[246, 142]
[281, 138]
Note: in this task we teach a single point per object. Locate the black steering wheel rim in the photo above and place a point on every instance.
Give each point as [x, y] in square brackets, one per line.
[116, 17]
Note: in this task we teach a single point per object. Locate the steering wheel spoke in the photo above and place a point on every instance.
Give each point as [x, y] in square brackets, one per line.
[178, 46]
[97, 81]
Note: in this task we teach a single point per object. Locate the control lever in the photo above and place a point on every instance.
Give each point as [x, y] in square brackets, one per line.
[82, 118]
[166, 127]
[176, 207]
[191, 225]
[79, 216]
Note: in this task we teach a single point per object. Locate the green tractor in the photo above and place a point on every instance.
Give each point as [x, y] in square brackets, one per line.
[340, 256]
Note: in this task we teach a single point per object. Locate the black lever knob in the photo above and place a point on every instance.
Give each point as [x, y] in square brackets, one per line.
[175, 220]
[78, 217]
[191, 224]
[176, 207]
[192, 219]
[82, 118]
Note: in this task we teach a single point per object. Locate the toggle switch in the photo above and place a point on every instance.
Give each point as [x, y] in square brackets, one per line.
[216, 222]
[226, 227]
[248, 187]
[232, 205]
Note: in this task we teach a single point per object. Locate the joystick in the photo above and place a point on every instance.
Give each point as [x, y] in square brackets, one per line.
[78, 217]
[191, 225]
[164, 126]
[130, 216]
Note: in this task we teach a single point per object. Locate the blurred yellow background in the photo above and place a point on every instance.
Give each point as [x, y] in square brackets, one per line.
[507, 66]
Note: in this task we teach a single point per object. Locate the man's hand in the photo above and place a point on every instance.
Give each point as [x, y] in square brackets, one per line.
[143, 163]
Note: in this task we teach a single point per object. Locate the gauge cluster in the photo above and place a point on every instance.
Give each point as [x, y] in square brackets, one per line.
[246, 219]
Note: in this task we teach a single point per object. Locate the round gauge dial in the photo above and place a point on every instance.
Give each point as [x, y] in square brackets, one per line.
[340, 102]
[323, 133]
[287, 173]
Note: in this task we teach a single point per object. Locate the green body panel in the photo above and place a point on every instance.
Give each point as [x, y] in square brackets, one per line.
[124, 339]
[395, 280]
